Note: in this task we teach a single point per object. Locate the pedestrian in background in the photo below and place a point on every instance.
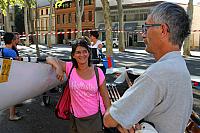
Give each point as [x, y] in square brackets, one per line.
[162, 95]
[10, 39]
[95, 43]
[16, 42]
[87, 100]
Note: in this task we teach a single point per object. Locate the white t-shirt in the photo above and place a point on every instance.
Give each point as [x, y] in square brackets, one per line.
[161, 95]
[96, 46]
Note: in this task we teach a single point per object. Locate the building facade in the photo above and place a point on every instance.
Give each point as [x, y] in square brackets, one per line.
[12, 20]
[134, 16]
[195, 34]
[41, 23]
[66, 19]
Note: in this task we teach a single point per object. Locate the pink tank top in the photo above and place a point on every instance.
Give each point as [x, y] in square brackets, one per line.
[84, 93]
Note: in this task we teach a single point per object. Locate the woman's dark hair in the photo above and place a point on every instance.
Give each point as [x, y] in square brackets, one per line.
[83, 43]
[8, 37]
[95, 34]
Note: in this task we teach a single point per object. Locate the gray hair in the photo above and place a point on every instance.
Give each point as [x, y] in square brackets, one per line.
[176, 18]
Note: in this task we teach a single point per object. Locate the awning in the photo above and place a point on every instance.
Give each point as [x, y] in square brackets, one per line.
[130, 26]
[127, 26]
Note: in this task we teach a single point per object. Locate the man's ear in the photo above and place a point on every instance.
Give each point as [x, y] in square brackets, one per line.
[165, 30]
[12, 41]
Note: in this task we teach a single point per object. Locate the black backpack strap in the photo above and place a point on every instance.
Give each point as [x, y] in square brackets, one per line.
[67, 82]
[97, 75]
[70, 73]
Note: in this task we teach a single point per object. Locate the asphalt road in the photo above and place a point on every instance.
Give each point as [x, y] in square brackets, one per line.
[41, 119]
[136, 58]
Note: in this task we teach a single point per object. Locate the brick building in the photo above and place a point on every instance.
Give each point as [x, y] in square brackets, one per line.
[66, 19]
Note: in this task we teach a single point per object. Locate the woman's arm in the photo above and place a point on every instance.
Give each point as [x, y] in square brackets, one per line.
[58, 65]
[104, 94]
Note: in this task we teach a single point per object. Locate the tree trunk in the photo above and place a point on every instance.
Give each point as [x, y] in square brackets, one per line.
[36, 26]
[31, 22]
[7, 18]
[121, 29]
[50, 25]
[26, 22]
[79, 13]
[108, 28]
[30, 19]
[188, 41]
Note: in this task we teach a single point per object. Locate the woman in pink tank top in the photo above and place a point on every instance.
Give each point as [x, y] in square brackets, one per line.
[87, 99]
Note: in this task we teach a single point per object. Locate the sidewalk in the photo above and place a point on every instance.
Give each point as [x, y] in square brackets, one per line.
[142, 50]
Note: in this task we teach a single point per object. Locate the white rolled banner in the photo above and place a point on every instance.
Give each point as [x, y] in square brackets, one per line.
[20, 81]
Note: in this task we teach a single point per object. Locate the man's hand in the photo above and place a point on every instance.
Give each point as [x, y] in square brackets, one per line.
[108, 120]
[132, 130]
[124, 130]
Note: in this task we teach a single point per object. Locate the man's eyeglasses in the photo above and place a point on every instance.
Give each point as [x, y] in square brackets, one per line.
[146, 26]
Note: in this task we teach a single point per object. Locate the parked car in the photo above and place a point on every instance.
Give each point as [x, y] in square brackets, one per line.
[22, 40]
[115, 43]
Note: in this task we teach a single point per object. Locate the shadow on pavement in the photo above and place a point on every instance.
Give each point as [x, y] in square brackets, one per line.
[36, 119]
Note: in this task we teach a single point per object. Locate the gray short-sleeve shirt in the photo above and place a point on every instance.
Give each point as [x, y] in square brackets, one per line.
[161, 95]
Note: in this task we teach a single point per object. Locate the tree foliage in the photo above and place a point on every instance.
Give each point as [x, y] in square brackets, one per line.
[19, 19]
[6, 3]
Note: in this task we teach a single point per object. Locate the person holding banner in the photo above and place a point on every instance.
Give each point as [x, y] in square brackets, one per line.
[162, 95]
[87, 99]
[9, 41]
[15, 43]
[8, 52]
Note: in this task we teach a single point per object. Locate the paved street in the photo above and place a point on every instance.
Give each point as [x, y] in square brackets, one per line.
[136, 58]
[41, 119]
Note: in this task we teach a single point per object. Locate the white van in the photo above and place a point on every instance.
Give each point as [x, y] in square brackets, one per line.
[115, 43]
[2, 43]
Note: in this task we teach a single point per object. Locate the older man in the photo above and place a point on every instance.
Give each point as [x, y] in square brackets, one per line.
[162, 95]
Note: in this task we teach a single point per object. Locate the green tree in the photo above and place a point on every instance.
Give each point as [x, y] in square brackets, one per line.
[121, 28]
[26, 22]
[79, 14]
[19, 19]
[108, 28]
[50, 24]
[5, 8]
